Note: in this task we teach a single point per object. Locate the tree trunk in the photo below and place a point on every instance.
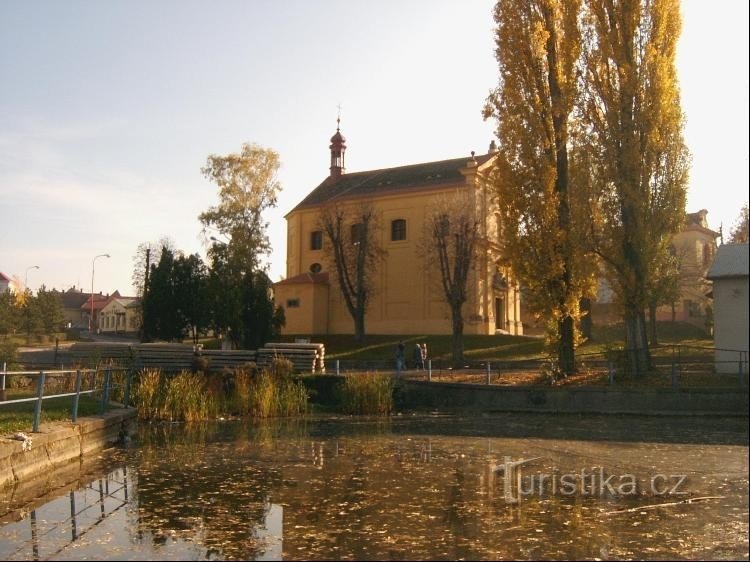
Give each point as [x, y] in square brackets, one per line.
[457, 322]
[566, 352]
[359, 325]
[636, 344]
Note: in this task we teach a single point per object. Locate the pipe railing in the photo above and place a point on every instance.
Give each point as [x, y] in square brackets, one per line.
[105, 389]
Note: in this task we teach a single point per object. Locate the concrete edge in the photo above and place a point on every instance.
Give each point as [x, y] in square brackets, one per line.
[60, 443]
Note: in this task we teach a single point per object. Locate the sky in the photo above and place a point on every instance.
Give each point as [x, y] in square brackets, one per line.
[108, 111]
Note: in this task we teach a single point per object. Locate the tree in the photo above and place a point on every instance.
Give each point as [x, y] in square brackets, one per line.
[663, 288]
[145, 254]
[9, 313]
[161, 315]
[50, 308]
[241, 302]
[739, 232]
[30, 314]
[247, 186]
[538, 53]
[632, 112]
[353, 252]
[190, 285]
[238, 288]
[451, 238]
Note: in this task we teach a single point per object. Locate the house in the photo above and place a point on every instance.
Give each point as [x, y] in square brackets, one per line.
[5, 282]
[89, 311]
[119, 315]
[729, 274]
[695, 248]
[408, 297]
[72, 301]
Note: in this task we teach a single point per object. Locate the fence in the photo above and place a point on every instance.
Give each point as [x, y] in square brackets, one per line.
[90, 376]
[675, 366]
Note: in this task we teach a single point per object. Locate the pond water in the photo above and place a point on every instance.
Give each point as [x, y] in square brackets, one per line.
[516, 486]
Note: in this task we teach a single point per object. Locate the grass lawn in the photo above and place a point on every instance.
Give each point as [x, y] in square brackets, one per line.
[20, 417]
[504, 347]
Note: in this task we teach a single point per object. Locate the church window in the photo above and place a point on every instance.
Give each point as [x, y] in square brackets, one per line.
[316, 268]
[292, 303]
[398, 229]
[316, 240]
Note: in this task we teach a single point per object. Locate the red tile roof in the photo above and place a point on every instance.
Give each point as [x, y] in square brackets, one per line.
[314, 278]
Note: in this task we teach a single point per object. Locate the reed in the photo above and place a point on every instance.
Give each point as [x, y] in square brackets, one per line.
[368, 393]
[148, 394]
[195, 396]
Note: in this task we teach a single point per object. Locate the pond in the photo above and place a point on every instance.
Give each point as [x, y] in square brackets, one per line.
[525, 486]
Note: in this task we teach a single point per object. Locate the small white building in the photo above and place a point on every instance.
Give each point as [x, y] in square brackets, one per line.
[120, 315]
[730, 274]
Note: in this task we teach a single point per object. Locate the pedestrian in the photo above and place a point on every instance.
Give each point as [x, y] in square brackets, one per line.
[424, 354]
[400, 356]
[418, 364]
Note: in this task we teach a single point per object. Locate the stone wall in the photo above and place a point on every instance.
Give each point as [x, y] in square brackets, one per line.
[59, 443]
[480, 398]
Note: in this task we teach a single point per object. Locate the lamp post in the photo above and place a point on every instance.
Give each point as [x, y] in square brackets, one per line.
[26, 276]
[93, 262]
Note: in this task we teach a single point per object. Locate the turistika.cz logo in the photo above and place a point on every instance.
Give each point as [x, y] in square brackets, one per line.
[519, 482]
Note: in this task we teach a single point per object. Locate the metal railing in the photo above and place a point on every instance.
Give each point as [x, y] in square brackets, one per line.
[678, 365]
[42, 376]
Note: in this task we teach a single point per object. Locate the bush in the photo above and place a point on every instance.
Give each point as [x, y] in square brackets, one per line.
[368, 393]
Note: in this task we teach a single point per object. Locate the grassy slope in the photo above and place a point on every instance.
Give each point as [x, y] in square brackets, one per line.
[381, 347]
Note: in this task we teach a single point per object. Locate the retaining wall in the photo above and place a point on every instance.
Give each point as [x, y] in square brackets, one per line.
[59, 443]
[472, 397]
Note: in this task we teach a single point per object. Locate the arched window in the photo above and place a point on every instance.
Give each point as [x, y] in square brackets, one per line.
[398, 229]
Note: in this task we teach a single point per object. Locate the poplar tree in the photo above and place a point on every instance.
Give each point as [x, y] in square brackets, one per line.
[544, 213]
[634, 120]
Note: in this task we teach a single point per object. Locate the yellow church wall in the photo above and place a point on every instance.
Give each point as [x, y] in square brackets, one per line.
[408, 296]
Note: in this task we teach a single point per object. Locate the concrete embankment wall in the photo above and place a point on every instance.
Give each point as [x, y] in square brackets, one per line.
[480, 398]
[59, 443]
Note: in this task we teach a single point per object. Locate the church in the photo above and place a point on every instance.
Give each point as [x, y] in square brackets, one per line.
[408, 297]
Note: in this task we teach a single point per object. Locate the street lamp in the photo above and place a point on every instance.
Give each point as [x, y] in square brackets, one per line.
[26, 276]
[93, 262]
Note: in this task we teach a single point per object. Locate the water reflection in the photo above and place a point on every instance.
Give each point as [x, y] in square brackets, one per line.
[411, 488]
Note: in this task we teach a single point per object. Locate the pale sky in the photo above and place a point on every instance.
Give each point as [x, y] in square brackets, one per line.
[108, 111]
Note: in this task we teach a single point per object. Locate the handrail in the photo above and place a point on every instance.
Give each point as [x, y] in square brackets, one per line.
[40, 396]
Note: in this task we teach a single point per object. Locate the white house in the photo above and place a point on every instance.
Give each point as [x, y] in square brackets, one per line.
[729, 273]
[120, 315]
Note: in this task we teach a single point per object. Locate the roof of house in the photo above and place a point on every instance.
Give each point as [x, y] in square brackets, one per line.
[73, 298]
[5, 277]
[314, 278]
[731, 260]
[124, 302]
[374, 182]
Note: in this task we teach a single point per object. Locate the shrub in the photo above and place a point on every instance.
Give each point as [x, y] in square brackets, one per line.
[368, 393]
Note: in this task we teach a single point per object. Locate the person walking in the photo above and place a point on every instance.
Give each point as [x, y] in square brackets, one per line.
[400, 356]
[418, 364]
[423, 353]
